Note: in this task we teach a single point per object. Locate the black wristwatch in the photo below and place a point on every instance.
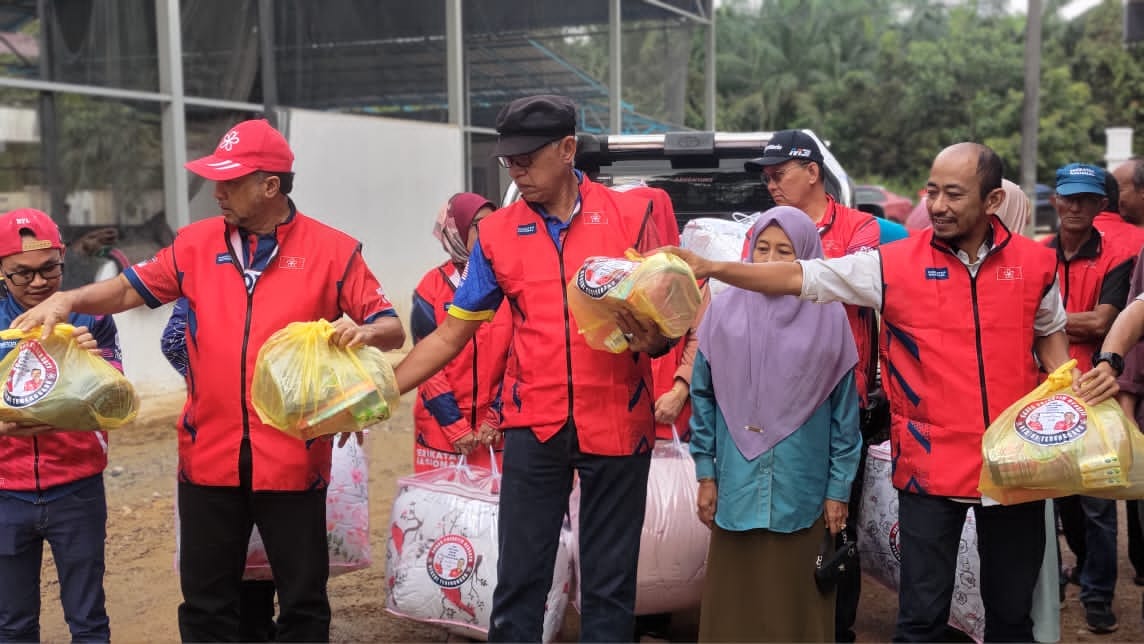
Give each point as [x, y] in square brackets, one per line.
[1114, 360]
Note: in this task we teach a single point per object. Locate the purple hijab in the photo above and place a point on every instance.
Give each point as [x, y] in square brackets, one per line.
[774, 359]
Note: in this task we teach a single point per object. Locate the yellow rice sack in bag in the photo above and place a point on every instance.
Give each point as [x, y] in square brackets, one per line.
[1051, 444]
[307, 387]
[659, 287]
[53, 381]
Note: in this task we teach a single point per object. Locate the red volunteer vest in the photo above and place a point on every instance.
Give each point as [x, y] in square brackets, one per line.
[474, 375]
[554, 376]
[1081, 280]
[42, 462]
[837, 228]
[231, 327]
[957, 351]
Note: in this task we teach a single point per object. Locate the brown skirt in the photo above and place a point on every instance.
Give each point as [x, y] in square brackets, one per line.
[760, 588]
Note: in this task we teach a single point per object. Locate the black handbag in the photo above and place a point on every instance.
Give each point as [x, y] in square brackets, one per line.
[837, 556]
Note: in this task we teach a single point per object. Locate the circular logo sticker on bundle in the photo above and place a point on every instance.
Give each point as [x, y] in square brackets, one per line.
[450, 561]
[1057, 420]
[33, 375]
[598, 276]
[895, 542]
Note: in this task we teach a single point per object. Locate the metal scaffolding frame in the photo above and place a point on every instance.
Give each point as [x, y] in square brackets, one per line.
[172, 101]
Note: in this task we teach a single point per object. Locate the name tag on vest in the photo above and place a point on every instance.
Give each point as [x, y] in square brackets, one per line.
[937, 273]
[526, 229]
[222, 258]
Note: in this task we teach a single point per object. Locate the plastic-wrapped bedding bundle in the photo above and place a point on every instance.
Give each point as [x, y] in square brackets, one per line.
[673, 545]
[718, 239]
[441, 560]
[878, 545]
[347, 518]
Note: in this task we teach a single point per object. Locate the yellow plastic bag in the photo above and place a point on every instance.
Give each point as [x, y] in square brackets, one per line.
[307, 387]
[659, 287]
[53, 381]
[1050, 444]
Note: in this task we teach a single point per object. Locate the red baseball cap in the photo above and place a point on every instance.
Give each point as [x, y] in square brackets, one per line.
[39, 224]
[248, 147]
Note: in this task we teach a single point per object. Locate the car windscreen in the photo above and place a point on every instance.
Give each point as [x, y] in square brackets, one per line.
[696, 192]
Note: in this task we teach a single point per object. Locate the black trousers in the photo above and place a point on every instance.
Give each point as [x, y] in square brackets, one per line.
[534, 494]
[1011, 544]
[1136, 536]
[214, 533]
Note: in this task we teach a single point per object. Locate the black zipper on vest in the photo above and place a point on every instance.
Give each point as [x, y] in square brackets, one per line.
[567, 322]
[245, 449]
[977, 340]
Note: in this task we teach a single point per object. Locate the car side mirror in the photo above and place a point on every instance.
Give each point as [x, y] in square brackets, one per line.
[874, 209]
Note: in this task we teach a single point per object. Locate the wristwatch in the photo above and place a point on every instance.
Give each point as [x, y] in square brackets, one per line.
[1114, 360]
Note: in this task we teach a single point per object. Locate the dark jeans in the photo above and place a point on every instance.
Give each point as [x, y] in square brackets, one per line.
[533, 501]
[215, 530]
[1011, 545]
[1090, 530]
[75, 526]
[1135, 536]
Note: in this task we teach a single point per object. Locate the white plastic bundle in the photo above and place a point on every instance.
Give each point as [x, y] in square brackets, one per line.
[878, 545]
[441, 559]
[347, 518]
[718, 239]
[673, 545]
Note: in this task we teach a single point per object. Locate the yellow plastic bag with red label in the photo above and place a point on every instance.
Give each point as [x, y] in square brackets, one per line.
[307, 387]
[659, 287]
[53, 381]
[1051, 444]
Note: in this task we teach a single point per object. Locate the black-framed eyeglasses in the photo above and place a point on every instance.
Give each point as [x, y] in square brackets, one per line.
[26, 276]
[522, 160]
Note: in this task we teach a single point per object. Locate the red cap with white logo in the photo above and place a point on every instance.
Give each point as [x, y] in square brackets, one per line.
[248, 147]
[46, 231]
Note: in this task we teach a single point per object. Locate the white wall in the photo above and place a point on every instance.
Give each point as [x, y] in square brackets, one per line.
[381, 180]
[143, 363]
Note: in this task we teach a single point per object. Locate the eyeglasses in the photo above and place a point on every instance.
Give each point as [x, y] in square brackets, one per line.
[27, 276]
[522, 161]
[779, 175]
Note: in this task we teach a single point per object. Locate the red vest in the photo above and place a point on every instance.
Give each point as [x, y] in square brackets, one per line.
[837, 229]
[1115, 228]
[957, 352]
[1082, 278]
[230, 329]
[554, 376]
[474, 375]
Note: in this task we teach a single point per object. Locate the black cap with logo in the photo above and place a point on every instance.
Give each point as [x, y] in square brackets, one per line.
[786, 145]
[528, 123]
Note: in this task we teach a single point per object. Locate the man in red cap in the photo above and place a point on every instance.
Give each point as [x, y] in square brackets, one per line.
[51, 482]
[246, 274]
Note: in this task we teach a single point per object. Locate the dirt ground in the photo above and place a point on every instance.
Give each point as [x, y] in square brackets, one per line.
[143, 592]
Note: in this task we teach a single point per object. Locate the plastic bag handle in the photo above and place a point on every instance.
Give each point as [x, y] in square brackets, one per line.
[62, 328]
[493, 463]
[676, 443]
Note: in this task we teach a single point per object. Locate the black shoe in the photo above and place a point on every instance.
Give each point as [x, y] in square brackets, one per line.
[1101, 620]
[1138, 580]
